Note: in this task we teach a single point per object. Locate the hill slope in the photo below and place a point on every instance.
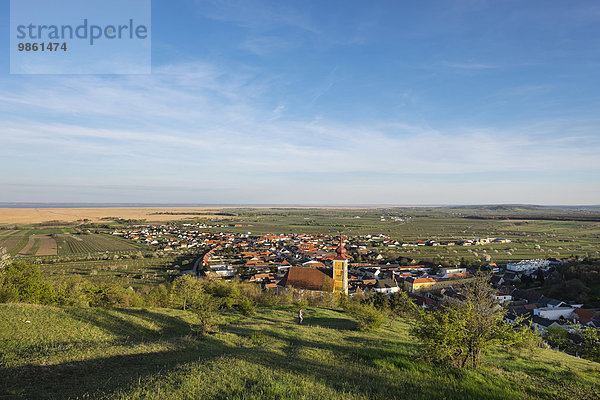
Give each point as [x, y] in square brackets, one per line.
[137, 353]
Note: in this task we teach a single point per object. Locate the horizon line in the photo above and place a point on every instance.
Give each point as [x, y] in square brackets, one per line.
[272, 205]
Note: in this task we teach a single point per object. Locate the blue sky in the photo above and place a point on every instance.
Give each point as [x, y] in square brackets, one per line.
[312, 102]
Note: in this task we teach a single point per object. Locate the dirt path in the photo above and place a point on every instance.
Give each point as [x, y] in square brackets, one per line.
[48, 246]
[28, 246]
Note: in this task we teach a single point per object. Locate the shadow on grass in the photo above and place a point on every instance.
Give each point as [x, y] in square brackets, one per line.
[355, 367]
[110, 321]
[331, 323]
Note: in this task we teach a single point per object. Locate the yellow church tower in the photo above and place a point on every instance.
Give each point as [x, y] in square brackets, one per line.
[340, 269]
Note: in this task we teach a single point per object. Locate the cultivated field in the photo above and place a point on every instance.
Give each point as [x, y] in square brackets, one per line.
[88, 250]
[121, 269]
[73, 215]
[61, 241]
[94, 243]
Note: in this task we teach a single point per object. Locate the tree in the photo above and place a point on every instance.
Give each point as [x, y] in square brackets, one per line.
[206, 307]
[460, 331]
[186, 289]
[23, 282]
[557, 337]
[591, 342]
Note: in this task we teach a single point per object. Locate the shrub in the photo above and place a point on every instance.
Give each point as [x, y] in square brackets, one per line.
[186, 289]
[105, 296]
[246, 306]
[206, 309]
[461, 331]
[590, 348]
[368, 317]
[300, 304]
[23, 282]
[227, 293]
[73, 291]
[403, 306]
[158, 297]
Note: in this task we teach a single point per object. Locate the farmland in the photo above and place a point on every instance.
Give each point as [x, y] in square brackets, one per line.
[60, 241]
[78, 215]
[79, 244]
[122, 269]
[88, 249]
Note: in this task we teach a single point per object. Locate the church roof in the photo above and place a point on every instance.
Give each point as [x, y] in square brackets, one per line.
[341, 251]
[306, 278]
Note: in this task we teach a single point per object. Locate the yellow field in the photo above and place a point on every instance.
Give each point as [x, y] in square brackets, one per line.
[39, 215]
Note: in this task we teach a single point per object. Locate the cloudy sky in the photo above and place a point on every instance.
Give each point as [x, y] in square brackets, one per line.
[313, 102]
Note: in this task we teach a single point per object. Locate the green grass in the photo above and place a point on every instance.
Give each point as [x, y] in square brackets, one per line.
[93, 243]
[138, 353]
[557, 238]
[123, 271]
[36, 246]
[17, 247]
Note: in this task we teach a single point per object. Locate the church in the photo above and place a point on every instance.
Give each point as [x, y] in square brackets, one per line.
[320, 279]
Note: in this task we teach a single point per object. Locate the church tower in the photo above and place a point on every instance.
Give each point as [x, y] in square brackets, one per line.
[340, 269]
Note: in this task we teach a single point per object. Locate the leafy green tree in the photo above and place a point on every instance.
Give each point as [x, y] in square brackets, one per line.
[461, 331]
[557, 337]
[23, 282]
[206, 308]
[186, 290]
[158, 297]
[591, 342]
[403, 306]
[381, 301]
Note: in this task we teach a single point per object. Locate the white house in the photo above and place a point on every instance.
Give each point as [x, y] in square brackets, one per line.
[527, 265]
[554, 313]
[224, 271]
[387, 286]
[502, 297]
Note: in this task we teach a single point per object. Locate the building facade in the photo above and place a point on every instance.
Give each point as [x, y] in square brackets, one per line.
[340, 269]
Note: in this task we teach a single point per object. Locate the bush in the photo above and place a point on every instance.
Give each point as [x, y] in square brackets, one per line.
[246, 306]
[186, 289]
[300, 304]
[158, 297]
[23, 282]
[368, 317]
[73, 291]
[461, 331]
[206, 309]
[227, 293]
[403, 306]
[105, 296]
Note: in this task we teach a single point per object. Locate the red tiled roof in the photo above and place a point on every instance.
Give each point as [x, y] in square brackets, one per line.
[306, 278]
[584, 315]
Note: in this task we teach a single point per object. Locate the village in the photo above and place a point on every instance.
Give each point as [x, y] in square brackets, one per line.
[305, 263]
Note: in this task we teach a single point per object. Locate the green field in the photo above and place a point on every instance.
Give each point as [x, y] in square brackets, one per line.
[549, 232]
[93, 243]
[555, 237]
[67, 241]
[151, 353]
[134, 272]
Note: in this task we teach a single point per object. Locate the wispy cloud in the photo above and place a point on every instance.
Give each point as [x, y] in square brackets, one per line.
[195, 122]
[469, 65]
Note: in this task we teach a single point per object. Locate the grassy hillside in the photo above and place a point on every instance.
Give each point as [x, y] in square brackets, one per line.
[139, 353]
